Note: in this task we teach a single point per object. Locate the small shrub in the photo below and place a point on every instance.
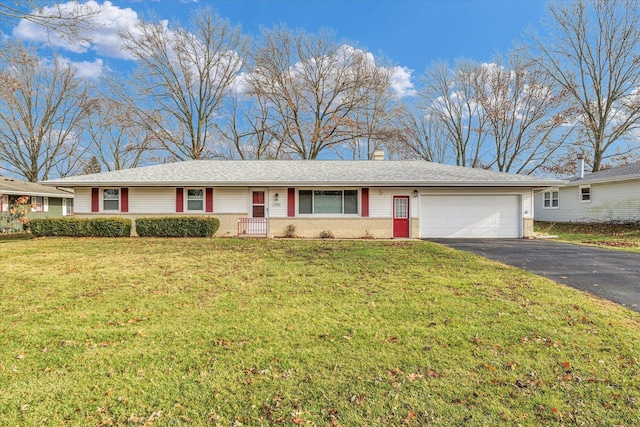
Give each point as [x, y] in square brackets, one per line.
[326, 234]
[368, 235]
[179, 226]
[290, 231]
[81, 227]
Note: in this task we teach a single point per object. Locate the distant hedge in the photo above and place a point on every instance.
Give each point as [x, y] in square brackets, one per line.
[81, 227]
[179, 226]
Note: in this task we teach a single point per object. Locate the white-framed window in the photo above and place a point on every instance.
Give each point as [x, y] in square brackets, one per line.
[584, 192]
[4, 203]
[328, 202]
[551, 199]
[39, 204]
[195, 199]
[67, 207]
[110, 199]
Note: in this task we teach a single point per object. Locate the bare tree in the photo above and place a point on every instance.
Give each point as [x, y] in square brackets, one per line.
[248, 130]
[116, 141]
[422, 137]
[313, 87]
[592, 50]
[184, 76]
[448, 96]
[378, 117]
[524, 113]
[67, 20]
[41, 107]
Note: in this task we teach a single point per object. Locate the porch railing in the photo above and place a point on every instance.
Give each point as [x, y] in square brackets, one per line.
[253, 227]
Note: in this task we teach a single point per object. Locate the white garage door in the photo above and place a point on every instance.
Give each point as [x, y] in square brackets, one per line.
[470, 216]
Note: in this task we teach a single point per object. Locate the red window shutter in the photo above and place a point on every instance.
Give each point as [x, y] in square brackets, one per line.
[95, 200]
[209, 200]
[179, 199]
[124, 200]
[365, 202]
[291, 202]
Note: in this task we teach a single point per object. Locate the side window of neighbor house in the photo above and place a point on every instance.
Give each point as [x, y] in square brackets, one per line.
[67, 207]
[551, 199]
[111, 199]
[38, 203]
[585, 193]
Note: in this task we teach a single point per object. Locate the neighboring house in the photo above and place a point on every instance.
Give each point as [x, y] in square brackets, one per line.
[350, 199]
[603, 196]
[45, 201]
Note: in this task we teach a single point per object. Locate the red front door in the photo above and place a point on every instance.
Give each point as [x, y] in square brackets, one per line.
[400, 216]
[258, 204]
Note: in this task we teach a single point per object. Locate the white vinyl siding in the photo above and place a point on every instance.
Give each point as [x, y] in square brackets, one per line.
[609, 202]
[527, 204]
[231, 200]
[82, 200]
[152, 200]
[381, 201]
[278, 208]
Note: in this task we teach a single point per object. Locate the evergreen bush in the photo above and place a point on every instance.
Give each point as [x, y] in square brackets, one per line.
[81, 227]
[179, 226]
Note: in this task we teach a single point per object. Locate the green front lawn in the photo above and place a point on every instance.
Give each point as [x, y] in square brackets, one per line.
[326, 333]
[624, 237]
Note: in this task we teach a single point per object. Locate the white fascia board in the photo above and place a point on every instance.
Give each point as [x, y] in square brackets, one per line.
[586, 181]
[535, 184]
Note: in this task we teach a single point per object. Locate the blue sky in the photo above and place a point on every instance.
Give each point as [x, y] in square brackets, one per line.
[408, 33]
[411, 33]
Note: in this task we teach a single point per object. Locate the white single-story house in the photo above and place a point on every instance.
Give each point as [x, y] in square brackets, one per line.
[610, 195]
[349, 199]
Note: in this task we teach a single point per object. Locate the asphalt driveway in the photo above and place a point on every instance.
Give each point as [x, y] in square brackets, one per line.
[609, 274]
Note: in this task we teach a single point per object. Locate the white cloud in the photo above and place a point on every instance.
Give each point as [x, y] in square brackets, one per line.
[401, 82]
[83, 69]
[86, 69]
[99, 33]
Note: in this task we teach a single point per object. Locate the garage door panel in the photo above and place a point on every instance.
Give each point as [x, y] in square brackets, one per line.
[470, 216]
[452, 200]
[481, 210]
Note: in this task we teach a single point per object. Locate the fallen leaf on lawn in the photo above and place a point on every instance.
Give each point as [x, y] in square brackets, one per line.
[566, 365]
[413, 377]
[296, 420]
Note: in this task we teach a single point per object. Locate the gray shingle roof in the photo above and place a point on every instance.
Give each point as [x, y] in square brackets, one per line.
[16, 187]
[301, 173]
[620, 173]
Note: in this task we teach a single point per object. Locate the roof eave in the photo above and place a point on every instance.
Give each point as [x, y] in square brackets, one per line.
[36, 193]
[588, 181]
[536, 184]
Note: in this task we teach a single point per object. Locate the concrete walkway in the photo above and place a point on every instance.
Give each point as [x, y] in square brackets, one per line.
[609, 274]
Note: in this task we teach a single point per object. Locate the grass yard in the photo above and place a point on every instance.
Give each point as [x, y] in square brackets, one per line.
[623, 237]
[291, 332]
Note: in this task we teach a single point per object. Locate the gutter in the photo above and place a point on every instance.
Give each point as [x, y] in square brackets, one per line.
[306, 184]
